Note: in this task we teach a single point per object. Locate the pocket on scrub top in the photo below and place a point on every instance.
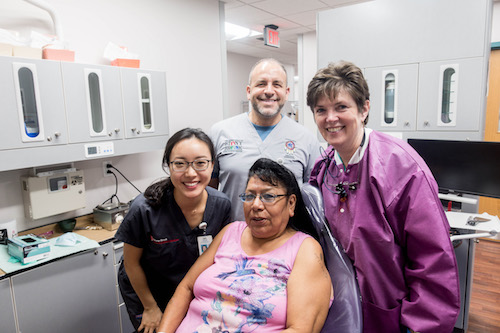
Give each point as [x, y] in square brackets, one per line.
[375, 318]
[163, 250]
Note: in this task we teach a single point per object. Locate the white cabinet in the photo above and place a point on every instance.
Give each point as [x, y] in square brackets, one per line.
[93, 102]
[79, 111]
[393, 97]
[426, 69]
[450, 95]
[144, 102]
[7, 319]
[442, 96]
[74, 294]
[32, 105]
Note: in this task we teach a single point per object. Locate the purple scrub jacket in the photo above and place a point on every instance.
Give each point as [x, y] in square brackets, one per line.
[394, 229]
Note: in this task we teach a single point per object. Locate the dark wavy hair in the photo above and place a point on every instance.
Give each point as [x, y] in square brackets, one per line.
[276, 174]
[156, 192]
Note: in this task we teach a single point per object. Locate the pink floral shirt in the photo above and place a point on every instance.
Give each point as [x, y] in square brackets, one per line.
[241, 293]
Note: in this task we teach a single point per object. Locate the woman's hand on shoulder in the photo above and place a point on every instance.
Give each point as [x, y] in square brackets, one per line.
[309, 290]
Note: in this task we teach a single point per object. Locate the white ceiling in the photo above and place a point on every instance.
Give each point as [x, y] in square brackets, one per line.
[293, 17]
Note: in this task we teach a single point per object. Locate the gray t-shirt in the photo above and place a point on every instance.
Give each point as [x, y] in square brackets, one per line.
[238, 146]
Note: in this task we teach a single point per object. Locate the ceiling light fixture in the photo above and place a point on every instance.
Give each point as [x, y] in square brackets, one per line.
[234, 31]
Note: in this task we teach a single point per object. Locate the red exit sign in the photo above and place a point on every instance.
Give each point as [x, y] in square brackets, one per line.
[271, 37]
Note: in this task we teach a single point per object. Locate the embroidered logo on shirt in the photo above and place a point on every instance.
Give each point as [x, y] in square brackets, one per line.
[290, 148]
[232, 146]
[163, 240]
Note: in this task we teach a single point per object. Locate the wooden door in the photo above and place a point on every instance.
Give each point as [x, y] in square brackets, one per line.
[492, 123]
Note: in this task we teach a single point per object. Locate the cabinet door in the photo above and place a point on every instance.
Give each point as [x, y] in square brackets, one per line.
[7, 313]
[393, 97]
[32, 105]
[93, 102]
[450, 95]
[144, 102]
[74, 294]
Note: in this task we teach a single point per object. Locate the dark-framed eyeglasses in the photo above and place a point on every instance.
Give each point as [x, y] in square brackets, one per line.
[198, 164]
[264, 197]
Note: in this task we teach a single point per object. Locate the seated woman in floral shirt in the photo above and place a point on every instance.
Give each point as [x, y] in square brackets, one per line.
[262, 275]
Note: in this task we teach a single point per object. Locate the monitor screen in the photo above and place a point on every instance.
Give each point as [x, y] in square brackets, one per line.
[469, 167]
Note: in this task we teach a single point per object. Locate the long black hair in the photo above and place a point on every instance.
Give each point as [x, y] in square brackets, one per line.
[276, 174]
[156, 192]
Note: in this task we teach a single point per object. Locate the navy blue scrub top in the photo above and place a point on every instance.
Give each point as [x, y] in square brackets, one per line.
[169, 245]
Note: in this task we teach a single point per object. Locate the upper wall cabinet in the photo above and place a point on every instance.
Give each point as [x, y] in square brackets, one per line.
[393, 97]
[78, 111]
[450, 96]
[93, 102]
[32, 103]
[425, 62]
[144, 103]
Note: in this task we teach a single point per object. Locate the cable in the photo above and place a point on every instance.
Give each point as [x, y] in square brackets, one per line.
[110, 199]
[109, 171]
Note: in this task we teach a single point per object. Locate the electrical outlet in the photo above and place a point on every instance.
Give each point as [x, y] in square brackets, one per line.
[105, 168]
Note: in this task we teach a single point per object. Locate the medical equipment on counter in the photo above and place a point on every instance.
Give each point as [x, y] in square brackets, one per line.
[109, 216]
[28, 248]
[487, 225]
[53, 191]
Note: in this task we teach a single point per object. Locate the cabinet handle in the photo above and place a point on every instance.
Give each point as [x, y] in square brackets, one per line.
[96, 252]
[407, 123]
[104, 254]
[426, 123]
[49, 138]
[133, 129]
[117, 130]
[57, 134]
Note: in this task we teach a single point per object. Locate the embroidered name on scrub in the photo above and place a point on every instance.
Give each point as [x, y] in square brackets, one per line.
[163, 240]
[232, 146]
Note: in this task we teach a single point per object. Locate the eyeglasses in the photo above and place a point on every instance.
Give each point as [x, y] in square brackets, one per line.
[264, 197]
[199, 164]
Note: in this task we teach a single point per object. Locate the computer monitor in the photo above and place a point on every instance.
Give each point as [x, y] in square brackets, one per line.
[468, 167]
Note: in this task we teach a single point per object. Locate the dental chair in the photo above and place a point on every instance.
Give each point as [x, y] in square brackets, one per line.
[345, 314]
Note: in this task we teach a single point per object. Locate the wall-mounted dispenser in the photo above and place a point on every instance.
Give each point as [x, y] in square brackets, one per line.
[52, 191]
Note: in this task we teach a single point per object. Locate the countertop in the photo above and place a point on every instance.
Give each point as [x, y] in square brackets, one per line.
[52, 230]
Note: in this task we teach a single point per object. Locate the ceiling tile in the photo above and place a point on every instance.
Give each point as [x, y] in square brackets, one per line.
[338, 3]
[293, 17]
[288, 7]
[246, 14]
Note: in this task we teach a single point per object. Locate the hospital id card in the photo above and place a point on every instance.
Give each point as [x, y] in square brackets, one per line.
[203, 243]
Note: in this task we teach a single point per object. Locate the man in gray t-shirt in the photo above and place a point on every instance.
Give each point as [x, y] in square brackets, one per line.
[262, 132]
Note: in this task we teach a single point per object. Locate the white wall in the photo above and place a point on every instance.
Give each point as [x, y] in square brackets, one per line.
[238, 70]
[181, 37]
[308, 65]
[495, 22]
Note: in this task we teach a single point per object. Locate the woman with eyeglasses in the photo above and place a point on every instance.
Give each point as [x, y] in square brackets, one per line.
[381, 202]
[261, 275]
[168, 227]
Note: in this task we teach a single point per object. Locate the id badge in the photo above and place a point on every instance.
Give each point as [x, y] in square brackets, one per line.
[203, 243]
